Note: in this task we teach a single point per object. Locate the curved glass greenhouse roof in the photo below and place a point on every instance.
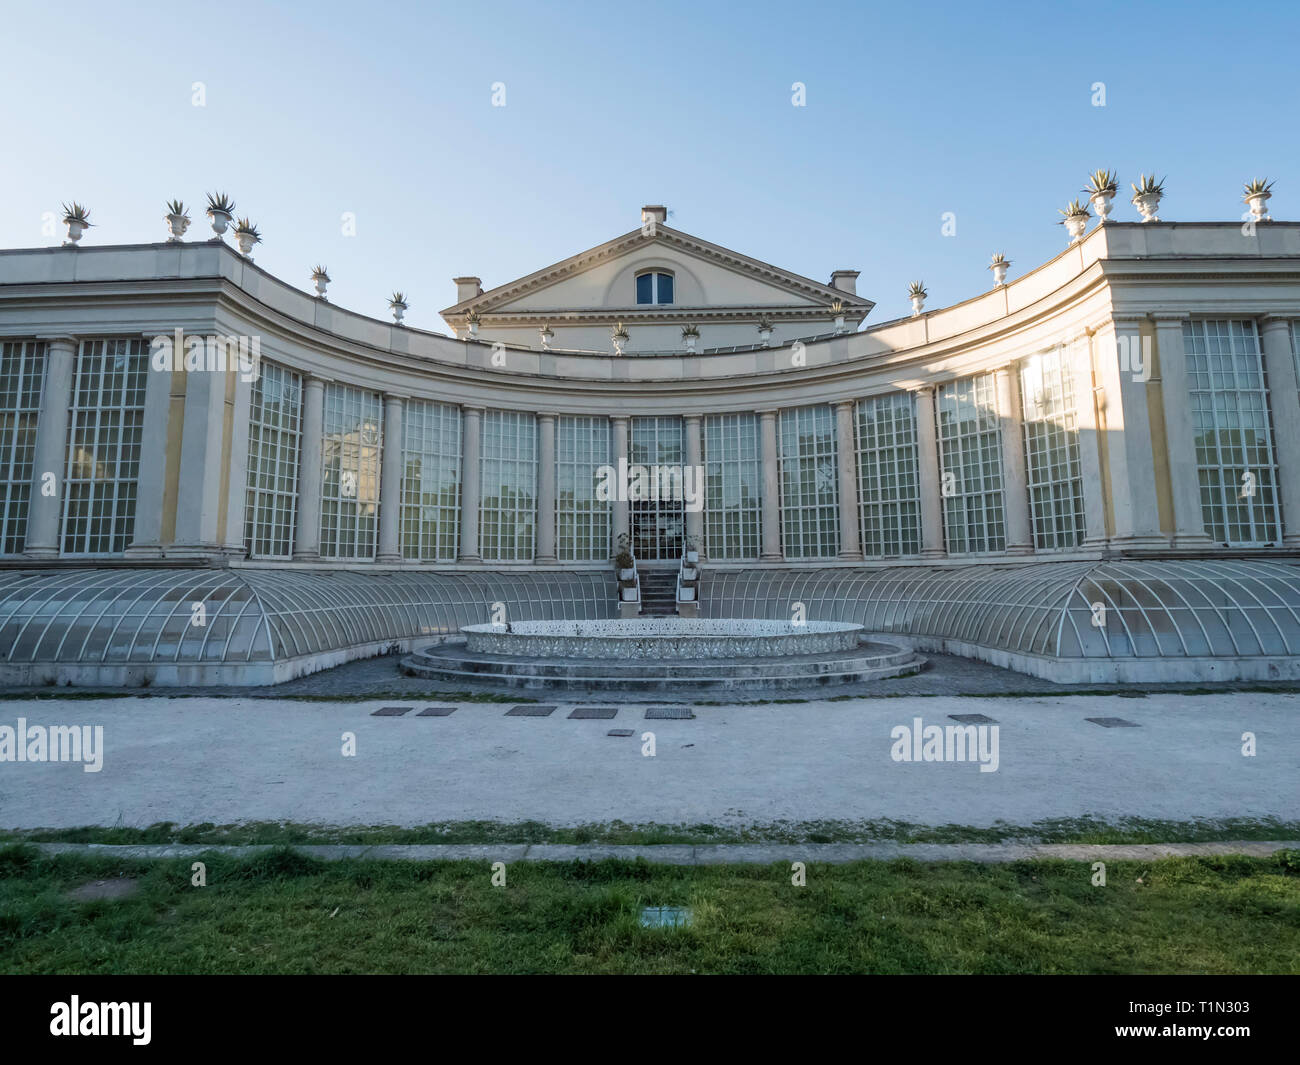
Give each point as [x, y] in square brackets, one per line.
[1112, 609]
[263, 615]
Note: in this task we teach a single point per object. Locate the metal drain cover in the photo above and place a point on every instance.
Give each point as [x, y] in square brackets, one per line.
[437, 711]
[665, 917]
[1112, 722]
[668, 713]
[621, 732]
[391, 711]
[598, 713]
[531, 710]
[974, 719]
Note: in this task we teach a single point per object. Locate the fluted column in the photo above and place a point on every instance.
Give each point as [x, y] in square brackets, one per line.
[1015, 489]
[546, 489]
[621, 524]
[50, 454]
[771, 460]
[846, 460]
[390, 482]
[929, 475]
[1279, 363]
[306, 533]
[470, 483]
[1123, 369]
[695, 462]
[203, 453]
[1079, 355]
[1180, 435]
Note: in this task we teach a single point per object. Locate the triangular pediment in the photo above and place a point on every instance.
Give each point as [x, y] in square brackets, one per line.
[601, 280]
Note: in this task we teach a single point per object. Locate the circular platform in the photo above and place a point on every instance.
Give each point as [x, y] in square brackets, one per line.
[679, 655]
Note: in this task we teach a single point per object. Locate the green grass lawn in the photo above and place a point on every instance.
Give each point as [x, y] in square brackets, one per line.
[281, 912]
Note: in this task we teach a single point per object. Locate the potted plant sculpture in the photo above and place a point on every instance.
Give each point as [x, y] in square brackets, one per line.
[999, 266]
[837, 309]
[77, 219]
[397, 304]
[916, 293]
[765, 332]
[1075, 220]
[321, 276]
[690, 336]
[1146, 196]
[246, 235]
[472, 320]
[1101, 188]
[1258, 193]
[221, 209]
[178, 221]
[547, 334]
[620, 338]
[693, 549]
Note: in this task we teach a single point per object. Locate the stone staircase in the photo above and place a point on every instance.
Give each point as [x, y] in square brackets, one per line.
[658, 592]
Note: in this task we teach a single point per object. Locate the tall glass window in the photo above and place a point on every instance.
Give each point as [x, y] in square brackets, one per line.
[274, 437]
[809, 483]
[1051, 422]
[508, 511]
[654, 287]
[22, 369]
[105, 426]
[733, 478]
[658, 514]
[889, 494]
[582, 522]
[970, 449]
[1235, 463]
[350, 456]
[430, 481]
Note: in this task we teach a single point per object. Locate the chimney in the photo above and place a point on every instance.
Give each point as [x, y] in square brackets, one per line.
[654, 212]
[468, 287]
[845, 281]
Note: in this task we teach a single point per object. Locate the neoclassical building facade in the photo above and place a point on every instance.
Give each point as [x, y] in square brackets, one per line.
[1090, 472]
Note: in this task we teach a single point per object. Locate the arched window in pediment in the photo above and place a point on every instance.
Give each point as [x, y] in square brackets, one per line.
[654, 286]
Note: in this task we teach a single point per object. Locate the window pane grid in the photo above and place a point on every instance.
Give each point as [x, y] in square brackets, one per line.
[103, 455]
[658, 525]
[430, 481]
[889, 493]
[508, 507]
[809, 483]
[1236, 466]
[274, 439]
[1052, 451]
[350, 458]
[22, 370]
[733, 473]
[970, 450]
[582, 522]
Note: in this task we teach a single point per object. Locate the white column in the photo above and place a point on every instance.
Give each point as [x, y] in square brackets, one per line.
[771, 550]
[1015, 487]
[50, 453]
[1180, 442]
[929, 476]
[146, 532]
[470, 485]
[1279, 364]
[695, 461]
[198, 500]
[846, 459]
[622, 526]
[390, 482]
[1085, 406]
[237, 488]
[306, 534]
[1123, 368]
[546, 489]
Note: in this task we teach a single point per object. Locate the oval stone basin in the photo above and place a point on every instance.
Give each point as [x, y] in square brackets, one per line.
[698, 638]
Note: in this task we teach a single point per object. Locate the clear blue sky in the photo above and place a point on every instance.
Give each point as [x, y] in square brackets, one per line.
[385, 110]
